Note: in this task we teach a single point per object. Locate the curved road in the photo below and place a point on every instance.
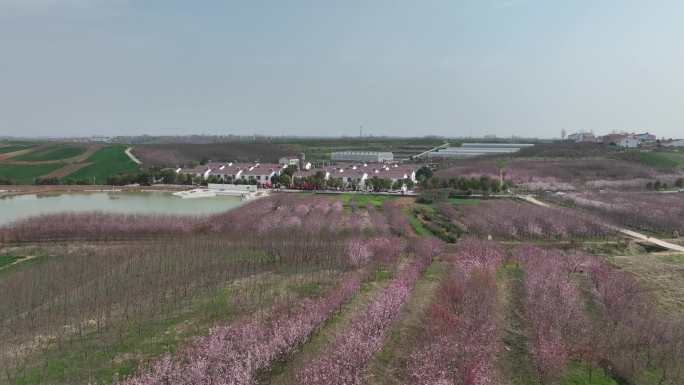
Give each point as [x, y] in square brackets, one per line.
[130, 155]
[627, 232]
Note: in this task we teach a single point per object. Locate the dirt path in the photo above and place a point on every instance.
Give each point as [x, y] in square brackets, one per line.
[515, 360]
[533, 200]
[90, 150]
[66, 170]
[16, 153]
[18, 261]
[646, 238]
[130, 155]
[387, 366]
[285, 373]
[627, 232]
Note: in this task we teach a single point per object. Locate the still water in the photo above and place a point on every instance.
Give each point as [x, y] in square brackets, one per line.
[22, 206]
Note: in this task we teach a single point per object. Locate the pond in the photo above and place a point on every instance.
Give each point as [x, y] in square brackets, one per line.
[23, 206]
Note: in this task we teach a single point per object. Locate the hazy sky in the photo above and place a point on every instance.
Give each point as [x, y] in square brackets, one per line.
[82, 67]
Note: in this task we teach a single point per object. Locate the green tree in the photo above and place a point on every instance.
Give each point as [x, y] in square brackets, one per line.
[424, 173]
[398, 185]
[289, 170]
[285, 180]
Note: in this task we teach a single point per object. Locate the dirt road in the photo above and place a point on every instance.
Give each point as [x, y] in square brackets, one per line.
[622, 230]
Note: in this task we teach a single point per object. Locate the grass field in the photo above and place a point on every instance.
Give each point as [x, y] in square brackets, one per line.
[362, 200]
[7, 260]
[663, 275]
[57, 152]
[665, 160]
[656, 159]
[25, 174]
[581, 374]
[106, 162]
[464, 202]
[14, 147]
[416, 224]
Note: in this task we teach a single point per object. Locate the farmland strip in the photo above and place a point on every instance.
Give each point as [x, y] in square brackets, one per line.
[345, 360]
[461, 336]
[237, 352]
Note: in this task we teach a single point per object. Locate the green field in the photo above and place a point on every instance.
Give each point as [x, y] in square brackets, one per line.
[582, 374]
[52, 153]
[416, 224]
[25, 174]
[463, 202]
[659, 160]
[106, 162]
[362, 200]
[8, 149]
[7, 260]
[14, 147]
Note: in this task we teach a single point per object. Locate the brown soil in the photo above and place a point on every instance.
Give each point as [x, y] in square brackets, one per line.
[15, 153]
[76, 159]
[66, 170]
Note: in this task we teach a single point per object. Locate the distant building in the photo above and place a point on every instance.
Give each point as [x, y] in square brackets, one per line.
[359, 173]
[258, 173]
[288, 161]
[612, 139]
[362, 156]
[351, 174]
[674, 143]
[629, 141]
[295, 160]
[646, 137]
[468, 150]
[582, 137]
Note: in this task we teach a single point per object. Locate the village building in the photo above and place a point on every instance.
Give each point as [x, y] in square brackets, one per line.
[362, 156]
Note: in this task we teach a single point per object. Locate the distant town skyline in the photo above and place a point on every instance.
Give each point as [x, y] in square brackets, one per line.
[398, 68]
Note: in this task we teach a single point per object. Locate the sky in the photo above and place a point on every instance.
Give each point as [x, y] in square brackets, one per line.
[324, 67]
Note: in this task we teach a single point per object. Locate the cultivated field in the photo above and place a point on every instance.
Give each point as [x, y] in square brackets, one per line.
[25, 173]
[172, 155]
[352, 289]
[7, 148]
[52, 153]
[28, 163]
[512, 220]
[658, 213]
[107, 161]
[564, 174]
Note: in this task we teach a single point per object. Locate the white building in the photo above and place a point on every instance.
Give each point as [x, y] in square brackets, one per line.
[362, 156]
[468, 150]
[582, 137]
[629, 141]
[260, 173]
[646, 137]
[359, 173]
[288, 161]
[675, 143]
